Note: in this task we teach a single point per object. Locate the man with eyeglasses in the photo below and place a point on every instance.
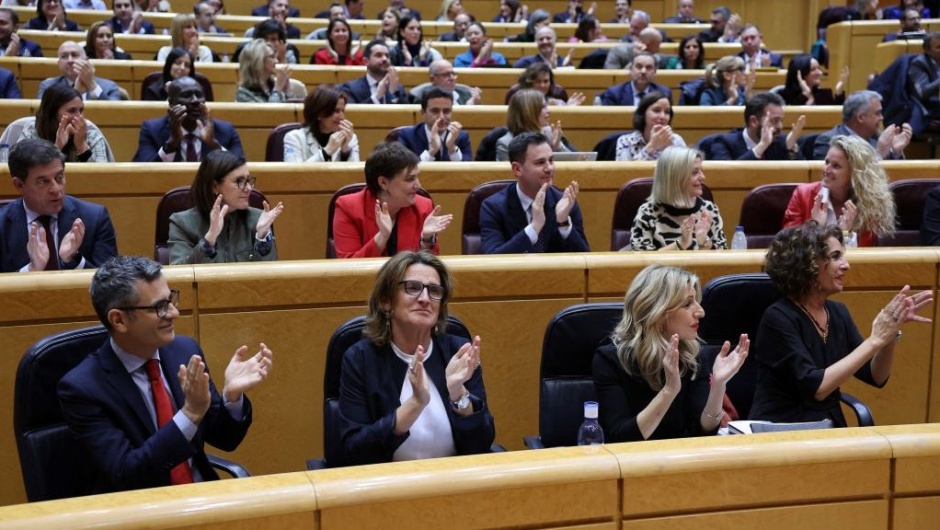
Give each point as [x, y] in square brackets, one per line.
[45, 229]
[188, 132]
[143, 405]
[441, 73]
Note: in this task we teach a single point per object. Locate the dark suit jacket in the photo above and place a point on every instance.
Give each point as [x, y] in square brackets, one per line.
[678, 20]
[98, 245]
[622, 94]
[529, 60]
[116, 28]
[449, 37]
[503, 222]
[262, 11]
[8, 86]
[27, 48]
[731, 146]
[930, 226]
[40, 24]
[358, 92]
[776, 60]
[154, 133]
[416, 139]
[565, 17]
[370, 393]
[923, 82]
[108, 417]
[109, 89]
[821, 146]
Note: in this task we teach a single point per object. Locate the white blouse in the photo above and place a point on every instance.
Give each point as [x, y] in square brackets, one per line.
[430, 436]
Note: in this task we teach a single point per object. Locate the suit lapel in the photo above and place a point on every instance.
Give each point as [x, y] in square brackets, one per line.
[121, 381]
[421, 140]
[164, 135]
[15, 228]
[517, 216]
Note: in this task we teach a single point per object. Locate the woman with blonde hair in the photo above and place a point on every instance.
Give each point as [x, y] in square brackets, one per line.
[388, 31]
[259, 79]
[853, 193]
[727, 83]
[650, 381]
[184, 34]
[528, 112]
[449, 10]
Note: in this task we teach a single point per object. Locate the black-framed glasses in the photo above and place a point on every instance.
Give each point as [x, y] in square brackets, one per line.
[241, 182]
[160, 307]
[415, 288]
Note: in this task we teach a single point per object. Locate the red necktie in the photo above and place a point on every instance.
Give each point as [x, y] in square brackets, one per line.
[191, 155]
[181, 474]
[52, 264]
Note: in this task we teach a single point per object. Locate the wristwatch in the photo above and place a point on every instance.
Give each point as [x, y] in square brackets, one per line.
[462, 403]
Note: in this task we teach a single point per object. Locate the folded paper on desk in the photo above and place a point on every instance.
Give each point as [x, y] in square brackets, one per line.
[755, 426]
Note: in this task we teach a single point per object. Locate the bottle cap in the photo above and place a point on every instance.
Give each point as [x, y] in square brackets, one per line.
[590, 410]
[739, 228]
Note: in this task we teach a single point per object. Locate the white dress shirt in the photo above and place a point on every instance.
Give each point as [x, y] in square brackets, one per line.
[426, 156]
[31, 217]
[430, 436]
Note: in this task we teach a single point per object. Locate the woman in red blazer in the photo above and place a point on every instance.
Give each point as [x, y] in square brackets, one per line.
[339, 50]
[858, 196]
[388, 216]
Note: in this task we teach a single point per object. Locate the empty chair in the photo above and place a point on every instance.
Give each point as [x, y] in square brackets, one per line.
[274, 150]
[606, 149]
[909, 197]
[705, 145]
[470, 239]
[762, 212]
[628, 201]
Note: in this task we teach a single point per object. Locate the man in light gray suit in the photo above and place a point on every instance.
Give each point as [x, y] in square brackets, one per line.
[441, 73]
[78, 72]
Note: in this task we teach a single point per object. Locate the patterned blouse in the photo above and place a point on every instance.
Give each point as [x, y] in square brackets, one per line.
[657, 225]
[97, 145]
[633, 147]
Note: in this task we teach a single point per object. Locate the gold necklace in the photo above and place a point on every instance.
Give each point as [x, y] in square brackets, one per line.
[823, 332]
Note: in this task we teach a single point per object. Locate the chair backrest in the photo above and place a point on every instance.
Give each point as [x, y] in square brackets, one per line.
[395, 133]
[690, 92]
[566, 372]
[486, 151]
[909, 197]
[470, 231]
[631, 196]
[594, 60]
[274, 150]
[54, 465]
[14, 131]
[606, 149]
[762, 212]
[346, 190]
[734, 304]
[807, 144]
[178, 200]
[705, 145]
[157, 77]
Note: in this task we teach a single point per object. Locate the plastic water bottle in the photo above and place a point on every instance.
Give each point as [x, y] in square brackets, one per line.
[849, 239]
[739, 241]
[590, 432]
[4, 152]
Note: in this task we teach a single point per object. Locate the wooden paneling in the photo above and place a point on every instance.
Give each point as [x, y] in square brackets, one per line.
[865, 515]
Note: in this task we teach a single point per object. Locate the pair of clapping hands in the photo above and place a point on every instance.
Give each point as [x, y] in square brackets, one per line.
[219, 211]
[562, 208]
[459, 370]
[451, 132]
[241, 375]
[695, 226]
[434, 224]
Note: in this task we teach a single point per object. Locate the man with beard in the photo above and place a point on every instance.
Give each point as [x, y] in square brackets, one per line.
[642, 76]
[380, 84]
[762, 138]
[545, 39]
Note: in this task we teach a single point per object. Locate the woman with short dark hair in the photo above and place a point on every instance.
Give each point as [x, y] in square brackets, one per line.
[51, 16]
[803, 83]
[652, 130]
[339, 49]
[691, 55]
[326, 135]
[179, 63]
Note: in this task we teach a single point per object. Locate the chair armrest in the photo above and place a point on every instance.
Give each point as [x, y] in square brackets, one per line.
[497, 448]
[317, 463]
[533, 442]
[862, 412]
[232, 468]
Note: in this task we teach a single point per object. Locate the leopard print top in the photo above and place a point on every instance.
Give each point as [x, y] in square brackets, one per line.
[657, 225]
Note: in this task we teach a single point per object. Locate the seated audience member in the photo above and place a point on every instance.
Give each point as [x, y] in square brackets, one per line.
[620, 56]
[60, 120]
[481, 52]
[867, 10]
[930, 227]
[441, 75]
[438, 137]
[589, 30]
[183, 34]
[339, 49]
[265, 10]
[923, 75]
[622, 11]
[388, 31]
[127, 21]
[651, 381]
[354, 9]
[206, 19]
[539, 76]
[753, 52]
[896, 12]
[861, 116]
[676, 217]
[807, 346]
[47, 229]
[278, 11]
[510, 11]
[545, 39]
[188, 132]
[461, 23]
[528, 112]
[335, 12]
[450, 9]
[326, 135]
[403, 10]
[388, 215]
[218, 5]
[380, 84]
[857, 197]
[259, 78]
[93, 5]
[724, 26]
[271, 31]
[531, 215]
[639, 21]
[685, 14]
[574, 14]
[179, 63]
[652, 132]
[153, 6]
[50, 16]
[145, 363]
[691, 55]
[392, 400]
[727, 84]
[651, 41]
[642, 82]
[11, 44]
[910, 26]
[221, 227]
[99, 43]
[412, 49]
[762, 137]
[802, 85]
[79, 73]
[8, 87]
[538, 19]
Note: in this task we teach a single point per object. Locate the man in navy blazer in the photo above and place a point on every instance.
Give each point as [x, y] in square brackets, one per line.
[449, 142]
[531, 215]
[143, 406]
[46, 229]
[128, 21]
[8, 87]
[187, 133]
[642, 76]
[762, 137]
[380, 84]
[754, 55]
[11, 44]
[545, 40]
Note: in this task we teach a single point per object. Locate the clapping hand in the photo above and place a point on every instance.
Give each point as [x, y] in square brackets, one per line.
[64, 131]
[686, 233]
[461, 368]
[476, 95]
[346, 127]
[72, 241]
[843, 81]
[575, 99]
[208, 130]
[243, 373]
[805, 89]
[137, 22]
[267, 218]
[37, 248]
[820, 212]
[902, 139]
[566, 203]
[702, 226]
[194, 381]
[453, 132]
[567, 61]
[538, 209]
[847, 219]
[660, 138]
[425, 50]
[282, 83]
[384, 221]
[416, 376]
[337, 139]
[556, 135]
[13, 49]
[795, 132]
[671, 367]
[899, 311]
[216, 220]
[729, 362]
[435, 223]
[434, 140]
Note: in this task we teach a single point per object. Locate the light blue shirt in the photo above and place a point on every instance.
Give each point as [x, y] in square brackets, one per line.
[97, 5]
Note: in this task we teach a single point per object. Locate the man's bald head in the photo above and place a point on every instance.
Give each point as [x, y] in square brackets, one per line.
[70, 53]
[652, 39]
[441, 74]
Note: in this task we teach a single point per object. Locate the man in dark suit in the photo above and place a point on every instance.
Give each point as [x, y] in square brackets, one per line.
[574, 14]
[642, 76]
[461, 23]
[128, 21]
[910, 27]
[79, 73]
[380, 84]
[11, 44]
[8, 87]
[46, 229]
[531, 215]
[684, 14]
[754, 55]
[143, 405]
[545, 40]
[761, 138]
[265, 10]
[187, 133]
[404, 10]
[449, 143]
[862, 116]
[923, 76]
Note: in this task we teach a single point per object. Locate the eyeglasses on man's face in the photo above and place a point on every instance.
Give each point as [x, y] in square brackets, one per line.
[415, 288]
[160, 307]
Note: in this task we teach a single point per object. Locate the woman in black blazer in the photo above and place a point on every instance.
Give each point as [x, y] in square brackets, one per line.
[50, 16]
[408, 390]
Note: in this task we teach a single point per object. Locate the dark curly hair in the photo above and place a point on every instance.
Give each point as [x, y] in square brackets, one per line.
[795, 254]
